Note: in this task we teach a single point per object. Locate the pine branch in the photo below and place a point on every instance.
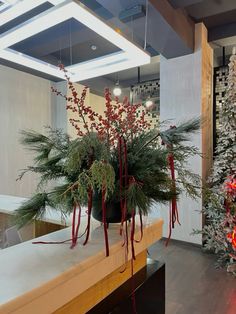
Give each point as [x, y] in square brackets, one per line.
[181, 133]
[32, 209]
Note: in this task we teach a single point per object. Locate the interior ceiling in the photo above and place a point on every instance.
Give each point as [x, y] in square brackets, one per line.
[147, 72]
[61, 44]
[219, 16]
[128, 77]
[165, 27]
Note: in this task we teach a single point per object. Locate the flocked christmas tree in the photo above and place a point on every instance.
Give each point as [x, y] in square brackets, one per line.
[220, 208]
[224, 163]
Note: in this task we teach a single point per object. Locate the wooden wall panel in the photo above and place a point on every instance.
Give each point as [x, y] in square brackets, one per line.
[43, 227]
[103, 288]
[207, 101]
[7, 221]
[29, 231]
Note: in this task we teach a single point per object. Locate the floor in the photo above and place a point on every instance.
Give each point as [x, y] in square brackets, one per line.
[193, 284]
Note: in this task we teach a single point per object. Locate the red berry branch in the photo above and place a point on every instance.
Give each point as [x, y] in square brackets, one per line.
[119, 119]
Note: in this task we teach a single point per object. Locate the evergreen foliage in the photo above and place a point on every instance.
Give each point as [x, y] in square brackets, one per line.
[225, 157]
[87, 162]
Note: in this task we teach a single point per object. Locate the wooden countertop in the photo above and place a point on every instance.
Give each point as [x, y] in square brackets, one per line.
[44, 277]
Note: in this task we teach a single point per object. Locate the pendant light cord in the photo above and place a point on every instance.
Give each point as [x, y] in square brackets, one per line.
[146, 26]
[60, 61]
[70, 46]
[132, 28]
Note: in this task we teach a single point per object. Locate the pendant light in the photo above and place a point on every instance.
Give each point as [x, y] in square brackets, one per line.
[117, 89]
[148, 103]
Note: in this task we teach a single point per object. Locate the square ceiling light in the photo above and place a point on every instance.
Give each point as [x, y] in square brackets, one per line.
[5, 4]
[130, 55]
[15, 8]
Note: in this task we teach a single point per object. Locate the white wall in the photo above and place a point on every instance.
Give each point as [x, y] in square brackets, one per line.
[61, 116]
[186, 92]
[25, 103]
[59, 113]
[180, 96]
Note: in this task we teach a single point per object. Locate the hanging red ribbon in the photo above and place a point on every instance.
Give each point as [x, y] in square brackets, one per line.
[132, 232]
[75, 228]
[120, 150]
[124, 186]
[90, 204]
[104, 220]
[174, 215]
[123, 167]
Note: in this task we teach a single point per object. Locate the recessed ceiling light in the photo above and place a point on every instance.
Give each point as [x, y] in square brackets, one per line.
[93, 47]
[68, 9]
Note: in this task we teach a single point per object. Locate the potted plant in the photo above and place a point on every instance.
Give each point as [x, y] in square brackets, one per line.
[117, 166]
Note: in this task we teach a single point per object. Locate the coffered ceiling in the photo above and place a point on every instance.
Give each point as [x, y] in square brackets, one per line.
[161, 26]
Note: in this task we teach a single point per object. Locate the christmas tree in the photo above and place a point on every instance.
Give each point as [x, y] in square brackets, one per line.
[224, 163]
[220, 208]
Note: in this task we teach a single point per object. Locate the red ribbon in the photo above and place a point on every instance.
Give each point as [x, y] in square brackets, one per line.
[125, 184]
[90, 204]
[132, 232]
[123, 167]
[174, 215]
[104, 220]
[120, 170]
[75, 228]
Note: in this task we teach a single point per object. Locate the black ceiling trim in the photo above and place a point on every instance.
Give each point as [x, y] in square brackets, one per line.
[223, 31]
[219, 19]
[183, 3]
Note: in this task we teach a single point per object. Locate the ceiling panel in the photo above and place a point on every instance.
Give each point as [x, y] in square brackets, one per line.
[220, 19]
[183, 3]
[210, 7]
[63, 43]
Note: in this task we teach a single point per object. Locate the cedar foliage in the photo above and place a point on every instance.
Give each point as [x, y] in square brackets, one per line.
[77, 165]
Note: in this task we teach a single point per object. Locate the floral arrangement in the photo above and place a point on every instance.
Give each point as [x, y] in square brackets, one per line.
[117, 166]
